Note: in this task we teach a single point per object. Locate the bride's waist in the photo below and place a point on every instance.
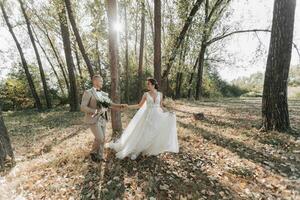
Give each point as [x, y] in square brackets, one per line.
[153, 106]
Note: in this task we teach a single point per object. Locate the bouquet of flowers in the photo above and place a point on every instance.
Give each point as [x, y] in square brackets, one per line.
[103, 101]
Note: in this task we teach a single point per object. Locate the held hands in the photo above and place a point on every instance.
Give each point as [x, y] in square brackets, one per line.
[123, 107]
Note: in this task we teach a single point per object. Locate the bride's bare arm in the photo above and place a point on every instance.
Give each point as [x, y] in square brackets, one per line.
[137, 106]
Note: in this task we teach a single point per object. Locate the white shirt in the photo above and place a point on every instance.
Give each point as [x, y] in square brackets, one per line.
[97, 92]
[100, 94]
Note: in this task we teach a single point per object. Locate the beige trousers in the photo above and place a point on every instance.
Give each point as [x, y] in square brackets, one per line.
[98, 129]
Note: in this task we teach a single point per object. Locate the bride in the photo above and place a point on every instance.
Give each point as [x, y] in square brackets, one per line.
[151, 131]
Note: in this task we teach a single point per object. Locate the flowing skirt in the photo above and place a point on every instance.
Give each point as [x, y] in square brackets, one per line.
[150, 132]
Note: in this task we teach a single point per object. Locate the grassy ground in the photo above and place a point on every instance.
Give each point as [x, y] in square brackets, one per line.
[221, 157]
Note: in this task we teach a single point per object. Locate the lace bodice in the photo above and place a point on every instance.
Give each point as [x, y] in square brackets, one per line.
[151, 101]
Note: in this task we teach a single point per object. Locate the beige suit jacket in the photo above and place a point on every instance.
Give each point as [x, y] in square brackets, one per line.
[89, 106]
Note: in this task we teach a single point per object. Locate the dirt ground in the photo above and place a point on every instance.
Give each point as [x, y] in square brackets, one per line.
[223, 156]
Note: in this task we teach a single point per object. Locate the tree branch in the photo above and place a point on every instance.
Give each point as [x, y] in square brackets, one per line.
[246, 31]
[235, 32]
[298, 52]
[181, 37]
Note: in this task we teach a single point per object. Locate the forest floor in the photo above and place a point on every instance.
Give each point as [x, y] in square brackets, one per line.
[223, 156]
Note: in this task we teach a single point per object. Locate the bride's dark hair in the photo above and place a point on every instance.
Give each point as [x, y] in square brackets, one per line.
[153, 82]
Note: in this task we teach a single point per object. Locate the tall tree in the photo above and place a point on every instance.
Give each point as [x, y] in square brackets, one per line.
[141, 54]
[126, 55]
[73, 94]
[5, 145]
[37, 55]
[181, 37]
[78, 38]
[112, 15]
[78, 66]
[50, 62]
[157, 40]
[275, 114]
[44, 30]
[191, 78]
[24, 63]
[212, 14]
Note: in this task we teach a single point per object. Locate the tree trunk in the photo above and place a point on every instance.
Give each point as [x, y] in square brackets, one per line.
[181, 36]
[5, 145]
[56, 54]
[24, 63]
[178, 85]
[151, 18]
[78, 38]
[98, 58]
[136, 32]
[275, 114]
[60, 64]
[114, 62]
[157, 40]
[79, 68]
[126, 57]
[42, 73]
[191, 78]
[50, 63]
[73, 96]
[200, 71]
[141, 54]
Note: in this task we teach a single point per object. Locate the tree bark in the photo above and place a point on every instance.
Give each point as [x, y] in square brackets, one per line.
[141, 54]
[178, 85]
[24, 63]
[200, 70]
[38, 58]
[78, 38]
[5, 144]
[157, 40]
[275, 114]
[73, 96]
[114, 62]
[192, 77]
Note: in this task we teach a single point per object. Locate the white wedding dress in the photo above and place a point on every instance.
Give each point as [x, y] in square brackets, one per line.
[150, 132]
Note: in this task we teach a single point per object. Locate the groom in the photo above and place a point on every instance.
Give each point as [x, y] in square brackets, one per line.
[96, 117]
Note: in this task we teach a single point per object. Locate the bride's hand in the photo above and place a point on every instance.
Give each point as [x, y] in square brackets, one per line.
[124, 107]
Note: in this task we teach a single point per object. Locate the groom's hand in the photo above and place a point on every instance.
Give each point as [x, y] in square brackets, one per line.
[124, 106]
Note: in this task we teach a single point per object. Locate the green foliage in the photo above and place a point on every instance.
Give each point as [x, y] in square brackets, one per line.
[15, 93]
[255, 82]
[214, 86]
[252, 94]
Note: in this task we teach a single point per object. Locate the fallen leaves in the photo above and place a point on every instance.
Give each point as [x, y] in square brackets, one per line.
[221, 157]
